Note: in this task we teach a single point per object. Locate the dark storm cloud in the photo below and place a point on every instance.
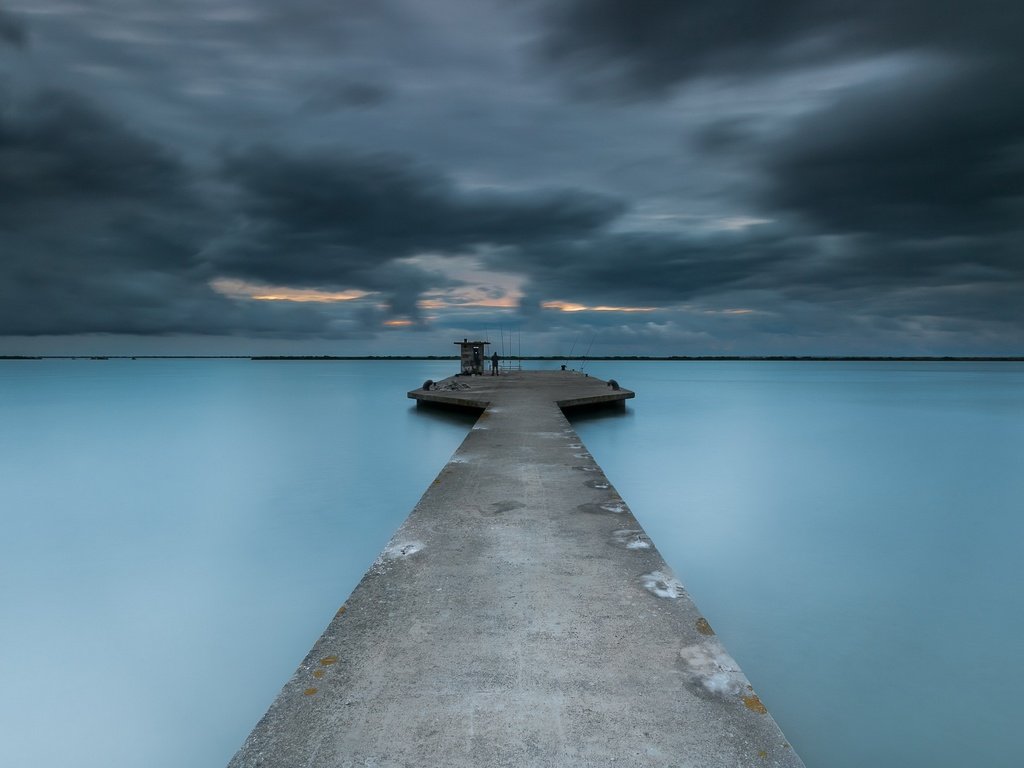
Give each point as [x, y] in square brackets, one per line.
[96, 226]
[655, 270]
[660, 270]
[725, 135]
[915, 190]
[879, 145]
[322, 219]
[106, 231]
[100, 231]
[868, 263]
[350, 94]
[768, 282]
[649, 45]
[13, 31]
[77, 185]
[327, 23]
[917, 157]
[903, 185]
[58, 149]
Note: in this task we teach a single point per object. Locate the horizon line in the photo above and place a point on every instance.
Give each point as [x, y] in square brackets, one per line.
[583, 358]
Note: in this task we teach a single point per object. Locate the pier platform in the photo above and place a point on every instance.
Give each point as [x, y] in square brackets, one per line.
[520, 616]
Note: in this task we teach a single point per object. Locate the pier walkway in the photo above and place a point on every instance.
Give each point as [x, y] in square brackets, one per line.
[519, 617]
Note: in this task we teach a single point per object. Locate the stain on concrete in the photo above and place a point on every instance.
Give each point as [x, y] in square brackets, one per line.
[326, 661]
[631, 538]
[712, 671]
[704, 627]
[753, 703]
[662, 585]
[500, 507]
[318, 673]
[603, 508]
[309, 691]
[403, 549]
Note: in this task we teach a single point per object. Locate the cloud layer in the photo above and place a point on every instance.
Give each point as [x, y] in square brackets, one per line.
[678, 178]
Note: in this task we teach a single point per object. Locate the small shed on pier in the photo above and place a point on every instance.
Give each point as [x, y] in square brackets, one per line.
[473, 357]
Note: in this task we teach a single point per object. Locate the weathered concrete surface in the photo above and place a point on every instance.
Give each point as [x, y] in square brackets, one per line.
[519, 617]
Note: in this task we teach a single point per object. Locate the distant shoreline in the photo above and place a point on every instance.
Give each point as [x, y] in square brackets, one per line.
[549, 358]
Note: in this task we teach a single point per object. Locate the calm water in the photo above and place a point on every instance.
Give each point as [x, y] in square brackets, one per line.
[854, 533]
[176, 534]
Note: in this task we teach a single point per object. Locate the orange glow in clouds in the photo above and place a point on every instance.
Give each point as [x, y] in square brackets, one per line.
[463, 299]
[240, 289]
[299, 294]
[568, 306]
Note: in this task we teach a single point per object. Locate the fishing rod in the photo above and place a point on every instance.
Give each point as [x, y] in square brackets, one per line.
[572, 348]
[584, 365]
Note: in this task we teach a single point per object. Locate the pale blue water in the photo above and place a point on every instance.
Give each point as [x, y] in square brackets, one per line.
[176, 534]
[854, 533]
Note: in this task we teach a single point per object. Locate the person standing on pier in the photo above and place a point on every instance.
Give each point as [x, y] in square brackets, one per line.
[494, 364]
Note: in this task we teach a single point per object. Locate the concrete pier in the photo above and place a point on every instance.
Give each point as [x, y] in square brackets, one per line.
[519, 617]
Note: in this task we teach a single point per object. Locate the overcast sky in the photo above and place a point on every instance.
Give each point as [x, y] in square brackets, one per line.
[385, 176]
